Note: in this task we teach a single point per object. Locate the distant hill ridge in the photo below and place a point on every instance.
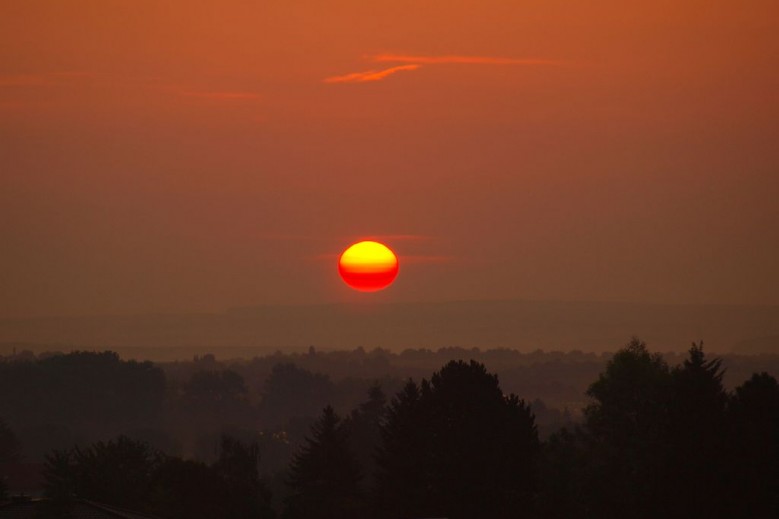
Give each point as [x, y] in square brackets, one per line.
[517, 324]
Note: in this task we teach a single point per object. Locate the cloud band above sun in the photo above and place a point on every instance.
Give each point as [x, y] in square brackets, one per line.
[466, 60]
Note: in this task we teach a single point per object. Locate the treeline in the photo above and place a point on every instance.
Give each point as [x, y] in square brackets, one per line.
[660, 441]
[655, 440]
[57, 400]
[132, 475]
[559, 378]
[62, 400]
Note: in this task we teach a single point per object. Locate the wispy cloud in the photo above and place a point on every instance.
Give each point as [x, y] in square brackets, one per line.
[414, 61]
[427, 260]
[408, 259]
[24, 80]
[291, 237]
[221, 95]
[345, 240]
[468, 60]
[46, 79]
[101, 79]
[401, 237]
[370, 75]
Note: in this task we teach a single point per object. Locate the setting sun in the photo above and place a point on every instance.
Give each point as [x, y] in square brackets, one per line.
[368, 266]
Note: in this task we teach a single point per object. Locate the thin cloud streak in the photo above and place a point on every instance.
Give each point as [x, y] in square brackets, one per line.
[413, 62]
[87, 79]
[409, 259]
[427, 260]
[46, 79]
[221, 95]
[370, 75]
[470, 60]
[24, 80]
[291, 237]
[403, 237]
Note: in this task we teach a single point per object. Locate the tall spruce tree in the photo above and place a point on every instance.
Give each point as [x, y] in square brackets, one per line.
[402, 477]
[363, 426]
[245, 494]
[753, 414]
[324, 478]
[696, 441]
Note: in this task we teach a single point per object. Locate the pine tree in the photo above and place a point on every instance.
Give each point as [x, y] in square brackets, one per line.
[753, 414]
[403, 476]
[696, 439]
[364, 429]
[245, 493]
[324, 478]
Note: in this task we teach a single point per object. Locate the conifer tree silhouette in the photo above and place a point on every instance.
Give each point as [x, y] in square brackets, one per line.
[457, 447]
[754, 418]
[626, 424]
[696, 442]
[363, 426]
[324, 478]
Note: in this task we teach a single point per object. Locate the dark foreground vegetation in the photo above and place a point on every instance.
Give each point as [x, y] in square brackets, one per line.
[196, 441]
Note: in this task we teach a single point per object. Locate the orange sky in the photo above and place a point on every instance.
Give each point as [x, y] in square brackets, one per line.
[193, 156]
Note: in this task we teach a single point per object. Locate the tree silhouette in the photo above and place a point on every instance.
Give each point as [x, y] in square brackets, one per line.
[363, 427]
[187, 489]
[216, 388]
[291, 391]
[130, 474]
[231, 488]
[655, 441]
[626, 424]
[754, 418]
[215, 398]
[60, 476]
[566, 468]
[116, 472]
[696, 439]
[9, 444]
[91, 391]
[324, 479]
[60, 484]
[457, 447]
[402, 476]
[245, 494]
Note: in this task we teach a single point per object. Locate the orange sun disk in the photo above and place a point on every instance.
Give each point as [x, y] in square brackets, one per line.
[368, 266]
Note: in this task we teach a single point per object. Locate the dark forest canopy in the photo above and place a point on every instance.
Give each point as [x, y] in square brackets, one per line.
[453, 444]
[53, 400]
